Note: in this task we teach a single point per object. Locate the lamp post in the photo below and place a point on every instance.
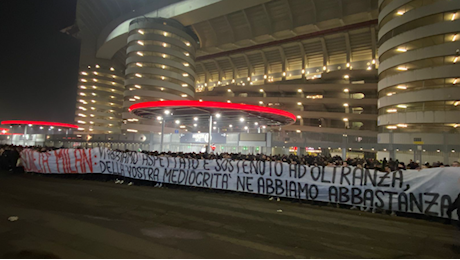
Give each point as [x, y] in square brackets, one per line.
[392, 153]
[208, 148]
[67, 137]
[163, 122]
[25, 135]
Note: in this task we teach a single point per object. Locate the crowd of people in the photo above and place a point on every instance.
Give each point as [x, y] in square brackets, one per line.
[10, 160]
[10, 154]
[313, 160]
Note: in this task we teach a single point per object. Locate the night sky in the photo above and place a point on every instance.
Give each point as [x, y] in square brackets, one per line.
[39, 64]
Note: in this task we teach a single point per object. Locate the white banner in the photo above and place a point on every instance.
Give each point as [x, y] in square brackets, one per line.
[429, 191]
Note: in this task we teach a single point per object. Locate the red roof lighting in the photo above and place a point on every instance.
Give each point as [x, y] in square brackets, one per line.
[212, 104]
[40, 123]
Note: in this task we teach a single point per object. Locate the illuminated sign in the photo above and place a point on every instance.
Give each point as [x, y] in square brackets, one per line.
[293, 149]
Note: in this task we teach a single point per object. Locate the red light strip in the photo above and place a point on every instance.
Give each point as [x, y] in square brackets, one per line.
[4, 129]
[212, 104]
[40, 123]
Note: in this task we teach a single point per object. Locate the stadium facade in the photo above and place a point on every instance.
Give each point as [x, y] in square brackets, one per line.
[360, 75]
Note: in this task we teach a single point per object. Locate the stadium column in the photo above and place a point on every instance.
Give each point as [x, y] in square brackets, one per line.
[344, 146]
[160, 63]
[418, 154]
[391, 148]
[445, 149]
[99, 100]
[419, 72]
[301, 150]
[151, 142]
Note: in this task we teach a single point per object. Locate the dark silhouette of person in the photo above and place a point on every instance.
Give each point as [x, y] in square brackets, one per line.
[384, 163]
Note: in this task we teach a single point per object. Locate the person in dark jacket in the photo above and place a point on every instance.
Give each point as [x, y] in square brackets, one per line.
[3, 160]
[384, 163]
[9, 158]
[13, 159]
[412, 165]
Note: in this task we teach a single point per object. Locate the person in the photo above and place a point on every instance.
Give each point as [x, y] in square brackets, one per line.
[412, 165]
[456, 164]
[11, 158]
[391, 164]
[3, 160]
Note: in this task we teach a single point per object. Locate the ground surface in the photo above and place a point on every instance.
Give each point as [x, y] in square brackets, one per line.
[72, 218]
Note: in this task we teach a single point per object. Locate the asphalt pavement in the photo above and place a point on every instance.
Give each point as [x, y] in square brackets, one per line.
[72, 218]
